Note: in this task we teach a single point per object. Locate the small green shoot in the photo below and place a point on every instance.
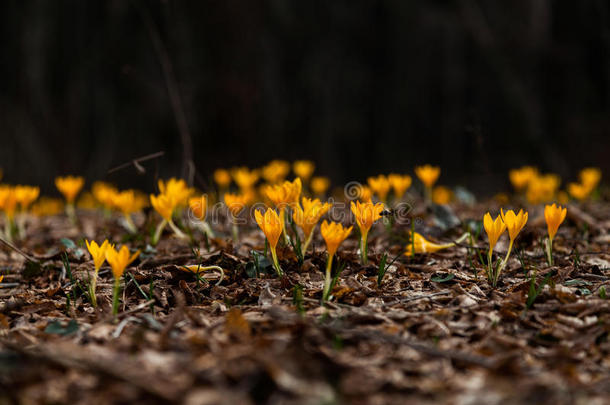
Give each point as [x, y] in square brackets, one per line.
[297, 298]
[533, 291]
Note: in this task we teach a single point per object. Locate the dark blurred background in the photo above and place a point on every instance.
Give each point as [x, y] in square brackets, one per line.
[360, 87]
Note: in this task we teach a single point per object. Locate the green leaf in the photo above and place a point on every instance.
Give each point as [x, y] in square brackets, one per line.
[56, 328]
[68, 243]
[443, 278]
[577, 282]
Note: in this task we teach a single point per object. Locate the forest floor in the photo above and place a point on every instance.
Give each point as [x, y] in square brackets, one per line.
[433, 331]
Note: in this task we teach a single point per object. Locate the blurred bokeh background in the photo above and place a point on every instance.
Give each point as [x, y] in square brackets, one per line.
[360, 87]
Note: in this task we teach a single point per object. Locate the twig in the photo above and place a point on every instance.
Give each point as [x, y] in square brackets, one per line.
[136, 163]
[21, 252]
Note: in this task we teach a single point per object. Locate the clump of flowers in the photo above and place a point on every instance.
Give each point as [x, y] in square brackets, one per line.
[47, 206]
[554, 216]
[276, 171]
[319, 185]
[400, 184]
[520, 178]
[494, 229]
[428, 175]
[174, 194]
[303, 169]
[510, 221]
[334, 234]
[118, 261]
[380, 186]
[272, 226]
[542, 188]
[307, 217]
[366, 215]
[245, 178]
[70, 186]
[589, 179]
[98, 255]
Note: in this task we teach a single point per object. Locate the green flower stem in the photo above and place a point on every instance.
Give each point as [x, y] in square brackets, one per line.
[235, 230]
[71, 212]
[549, 251]
[115, 296]
[364, 249]
[327, 278]
[8, 229]
[205, 228]
[306, 244]
[489, 266]
[177, 230]
[276, 263]
[131, 227]
[158, 232]
[283, 222]
[92, 288]
[502, 264]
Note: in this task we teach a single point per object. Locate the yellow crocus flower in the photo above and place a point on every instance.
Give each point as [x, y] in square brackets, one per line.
[521, 177]
[222, 177]
[235, 203]
[8, 201]
[199, 207]
[590, 177]
[104, 193]
[176, 189]
[272, 226]
[118, 261]
[494, 229]
[244, 178]
[276, 171]
[303, 169]
[319, 185]
[380, 186]
[164, 205]
[422, 245]
[69, 186]
[554, 216]
[514, 222]
[334, 234]
[400, 184]
[308, 216]
[441, 195]
[579, 191]
[98, 254]
[366, 215]
[428, 174]
[26, 195]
